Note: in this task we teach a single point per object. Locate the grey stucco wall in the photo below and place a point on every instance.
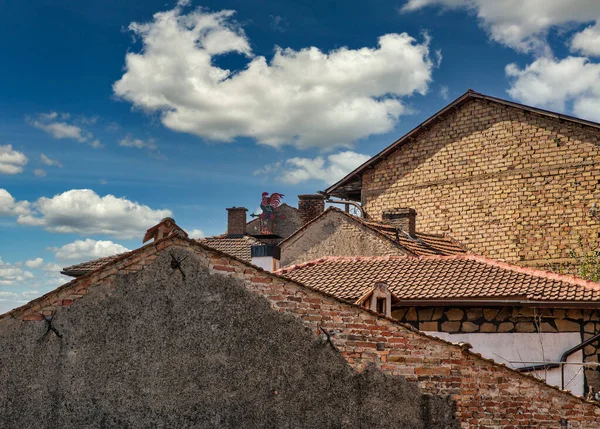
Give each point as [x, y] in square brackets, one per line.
[160, 351]
[335, 235]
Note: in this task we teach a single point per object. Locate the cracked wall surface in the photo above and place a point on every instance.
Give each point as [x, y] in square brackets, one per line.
[157, 349]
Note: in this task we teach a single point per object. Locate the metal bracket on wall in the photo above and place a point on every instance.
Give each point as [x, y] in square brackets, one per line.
[50, 328]
[176, 264]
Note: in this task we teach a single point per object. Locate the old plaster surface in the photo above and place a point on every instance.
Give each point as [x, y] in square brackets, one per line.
[160, 350]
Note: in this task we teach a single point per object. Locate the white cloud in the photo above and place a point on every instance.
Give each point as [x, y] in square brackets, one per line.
[336, 166]
[83, 250]
[129, 141]
[85, 212]
[11, 161]
[50, 162]
[551, 83]
[10, 207]
[520, 24]
[444, 92]
[306, 97]
[60, 129]
[30, 294]
[34, 263]
[51, 266]
[11, 275]
[39, 172]
[196, 233]
[587, 41]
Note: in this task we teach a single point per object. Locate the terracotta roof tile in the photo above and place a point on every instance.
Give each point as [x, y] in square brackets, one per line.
[458, 277]
[235, 246]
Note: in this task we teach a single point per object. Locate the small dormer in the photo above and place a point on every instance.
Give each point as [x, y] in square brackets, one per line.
[378, 299]
[164, 228]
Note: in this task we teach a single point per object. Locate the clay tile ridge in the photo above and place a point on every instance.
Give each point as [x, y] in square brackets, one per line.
[469, 257]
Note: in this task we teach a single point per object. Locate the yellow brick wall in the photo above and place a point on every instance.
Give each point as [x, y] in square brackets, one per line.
[510, 185]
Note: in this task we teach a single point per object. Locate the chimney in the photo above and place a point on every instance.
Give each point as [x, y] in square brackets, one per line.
[236, 221]
[310, 206]
[266, 256]
[162, 229]
[401, 218]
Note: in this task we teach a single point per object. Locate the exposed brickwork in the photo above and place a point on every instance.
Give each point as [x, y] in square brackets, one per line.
[310, 206]
[509, 184]
[402, 218]
[236, 221]
[487, 395]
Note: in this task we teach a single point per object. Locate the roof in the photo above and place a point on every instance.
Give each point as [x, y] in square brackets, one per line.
[430, 278]
[354, 176]
[74, 290]
[421, 244]
[234, 246]
[85, 267]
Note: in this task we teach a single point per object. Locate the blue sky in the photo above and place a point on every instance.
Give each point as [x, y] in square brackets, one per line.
[115, 114]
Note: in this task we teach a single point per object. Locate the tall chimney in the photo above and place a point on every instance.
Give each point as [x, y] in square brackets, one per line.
[310, 206]
[236, 221]
[401, 218]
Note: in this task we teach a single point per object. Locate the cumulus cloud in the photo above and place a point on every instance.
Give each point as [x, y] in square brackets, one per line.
[11, 161]
[196, 233]
[551, 83]
[587, 41]
[11, 274]
[34, 263]
[83, 250]
[50, 162]
[11, 207]
[303, 97]
[330, 170]
[83, 211]
[57, 126]
[520, 24]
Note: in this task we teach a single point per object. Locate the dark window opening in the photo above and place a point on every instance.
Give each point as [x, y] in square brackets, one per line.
[381, 305]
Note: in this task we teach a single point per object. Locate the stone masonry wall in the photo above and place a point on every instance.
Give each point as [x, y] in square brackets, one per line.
[335, 235]
[511, 319]
[510, 185]
[487, 395]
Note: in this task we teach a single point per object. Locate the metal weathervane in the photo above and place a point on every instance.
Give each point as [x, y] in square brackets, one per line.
[269, 205]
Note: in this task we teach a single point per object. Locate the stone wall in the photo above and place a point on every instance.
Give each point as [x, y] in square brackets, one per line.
[156, 349]
[510, 185]
[286, 222]
[486, 394]
[335, 235]
[510, 319]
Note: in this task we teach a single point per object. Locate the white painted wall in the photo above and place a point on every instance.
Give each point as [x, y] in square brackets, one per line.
[534, 347]
[267, 263]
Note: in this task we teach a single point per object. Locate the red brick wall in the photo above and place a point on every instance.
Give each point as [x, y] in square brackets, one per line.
[487, 394]
[508, 184]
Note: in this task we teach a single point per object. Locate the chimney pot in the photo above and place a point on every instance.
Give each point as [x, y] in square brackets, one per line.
[310, 206]
[236, 221]
[404, 219]
[266, 256]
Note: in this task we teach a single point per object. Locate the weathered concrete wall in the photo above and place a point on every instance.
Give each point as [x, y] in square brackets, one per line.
[335, 235]
[154, 349]
[508, 184]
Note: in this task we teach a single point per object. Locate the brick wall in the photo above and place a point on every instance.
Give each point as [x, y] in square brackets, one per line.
[310, 206]
[236, 221]
[508, 184]
[335, 235]
[487, 394]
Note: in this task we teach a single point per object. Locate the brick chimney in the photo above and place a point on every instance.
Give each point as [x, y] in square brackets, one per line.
[401, 218]
[310, 206]
[236, 221]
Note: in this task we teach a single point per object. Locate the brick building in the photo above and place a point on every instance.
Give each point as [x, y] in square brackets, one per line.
[179, 334]
[526, 318]
[510, 182]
